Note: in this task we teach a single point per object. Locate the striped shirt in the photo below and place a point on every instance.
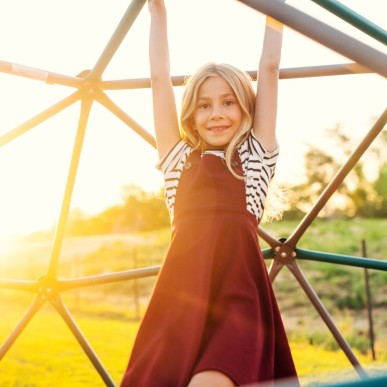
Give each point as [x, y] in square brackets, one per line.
[257, 163]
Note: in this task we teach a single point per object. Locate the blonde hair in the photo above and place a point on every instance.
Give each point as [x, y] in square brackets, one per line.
[240, 82]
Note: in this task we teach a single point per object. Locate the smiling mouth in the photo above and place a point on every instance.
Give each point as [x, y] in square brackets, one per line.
[218, 129]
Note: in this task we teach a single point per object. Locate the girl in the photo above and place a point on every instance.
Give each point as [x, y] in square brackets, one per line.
[213, 319]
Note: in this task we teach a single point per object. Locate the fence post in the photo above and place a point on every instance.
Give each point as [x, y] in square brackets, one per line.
[136, 290]
[368, 302]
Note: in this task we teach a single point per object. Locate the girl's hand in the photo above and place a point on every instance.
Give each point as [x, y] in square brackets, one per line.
[154, 5]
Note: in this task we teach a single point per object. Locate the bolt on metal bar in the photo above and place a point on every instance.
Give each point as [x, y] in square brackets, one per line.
[331, 188]
[354, 18]
[116, 39]
[322, 33]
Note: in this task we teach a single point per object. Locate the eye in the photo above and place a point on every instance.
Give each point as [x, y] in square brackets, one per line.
[229, 102]
[203, 106]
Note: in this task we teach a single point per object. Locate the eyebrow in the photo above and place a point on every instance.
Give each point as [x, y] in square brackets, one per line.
[222, 96]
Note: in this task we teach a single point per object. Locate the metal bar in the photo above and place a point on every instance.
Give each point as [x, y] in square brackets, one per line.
[347, 260]
[117, 38]
[322, 33]
[41, 117]
[67, 317]
[39, 74]
[59, 232]
[102, 279]
[274, 269]
[267, 237]
[354, 18]
[104, 100]
[323, 71]
[33, 308]
[286, 73]
[337, 180]
[268, 253]
[28, 286]
[322, 311]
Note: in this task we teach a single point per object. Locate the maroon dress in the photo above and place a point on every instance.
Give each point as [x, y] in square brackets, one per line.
[213, 306]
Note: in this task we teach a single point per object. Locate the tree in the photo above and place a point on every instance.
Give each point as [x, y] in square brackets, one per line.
[359, 194]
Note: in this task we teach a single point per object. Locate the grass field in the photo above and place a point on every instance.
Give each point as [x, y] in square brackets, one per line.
[47, 354]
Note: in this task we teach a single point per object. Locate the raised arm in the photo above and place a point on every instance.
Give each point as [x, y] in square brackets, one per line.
[164, 105]
[267, 89]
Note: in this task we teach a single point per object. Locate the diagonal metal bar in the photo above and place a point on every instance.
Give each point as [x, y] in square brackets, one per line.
[267, 237]
[29, 314]
[337, 180]
[59, 232]
[322, 33]
[274, 269]
[39, 74]
[76, 331]
[39, 118]
[104, 100]
[324, 314]
[117, 38]
[102, 279]
[354, 18]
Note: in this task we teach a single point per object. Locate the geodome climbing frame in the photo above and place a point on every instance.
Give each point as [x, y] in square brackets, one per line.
[284, 252]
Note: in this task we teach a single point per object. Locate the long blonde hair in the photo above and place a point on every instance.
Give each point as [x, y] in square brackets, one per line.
[240, 82]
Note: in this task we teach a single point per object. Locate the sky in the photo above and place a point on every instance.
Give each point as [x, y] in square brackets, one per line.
[68, 37]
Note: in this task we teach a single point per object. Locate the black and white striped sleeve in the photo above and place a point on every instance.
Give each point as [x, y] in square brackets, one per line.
[259, 168]
[172, 166]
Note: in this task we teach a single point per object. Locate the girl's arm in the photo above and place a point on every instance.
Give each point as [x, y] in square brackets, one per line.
[164, 106]
[267, 89]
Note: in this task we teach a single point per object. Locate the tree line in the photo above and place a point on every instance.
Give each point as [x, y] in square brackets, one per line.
[363, 193]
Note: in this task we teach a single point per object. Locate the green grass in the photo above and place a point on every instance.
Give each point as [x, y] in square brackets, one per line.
[47, 354]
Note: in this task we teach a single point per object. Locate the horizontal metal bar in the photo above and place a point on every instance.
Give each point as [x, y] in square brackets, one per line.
[322, 33]
[286, 73]
[268, 253]
[14, 284]
[354, 18]
[39, 74]
[376, 381]
[347, 260]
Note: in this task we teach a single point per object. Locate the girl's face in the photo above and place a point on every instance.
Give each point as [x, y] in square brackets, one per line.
[217, 115]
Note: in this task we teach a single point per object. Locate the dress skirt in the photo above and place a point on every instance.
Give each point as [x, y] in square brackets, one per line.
[213, 306]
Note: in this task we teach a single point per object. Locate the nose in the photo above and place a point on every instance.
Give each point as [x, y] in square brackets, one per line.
[216, 112]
